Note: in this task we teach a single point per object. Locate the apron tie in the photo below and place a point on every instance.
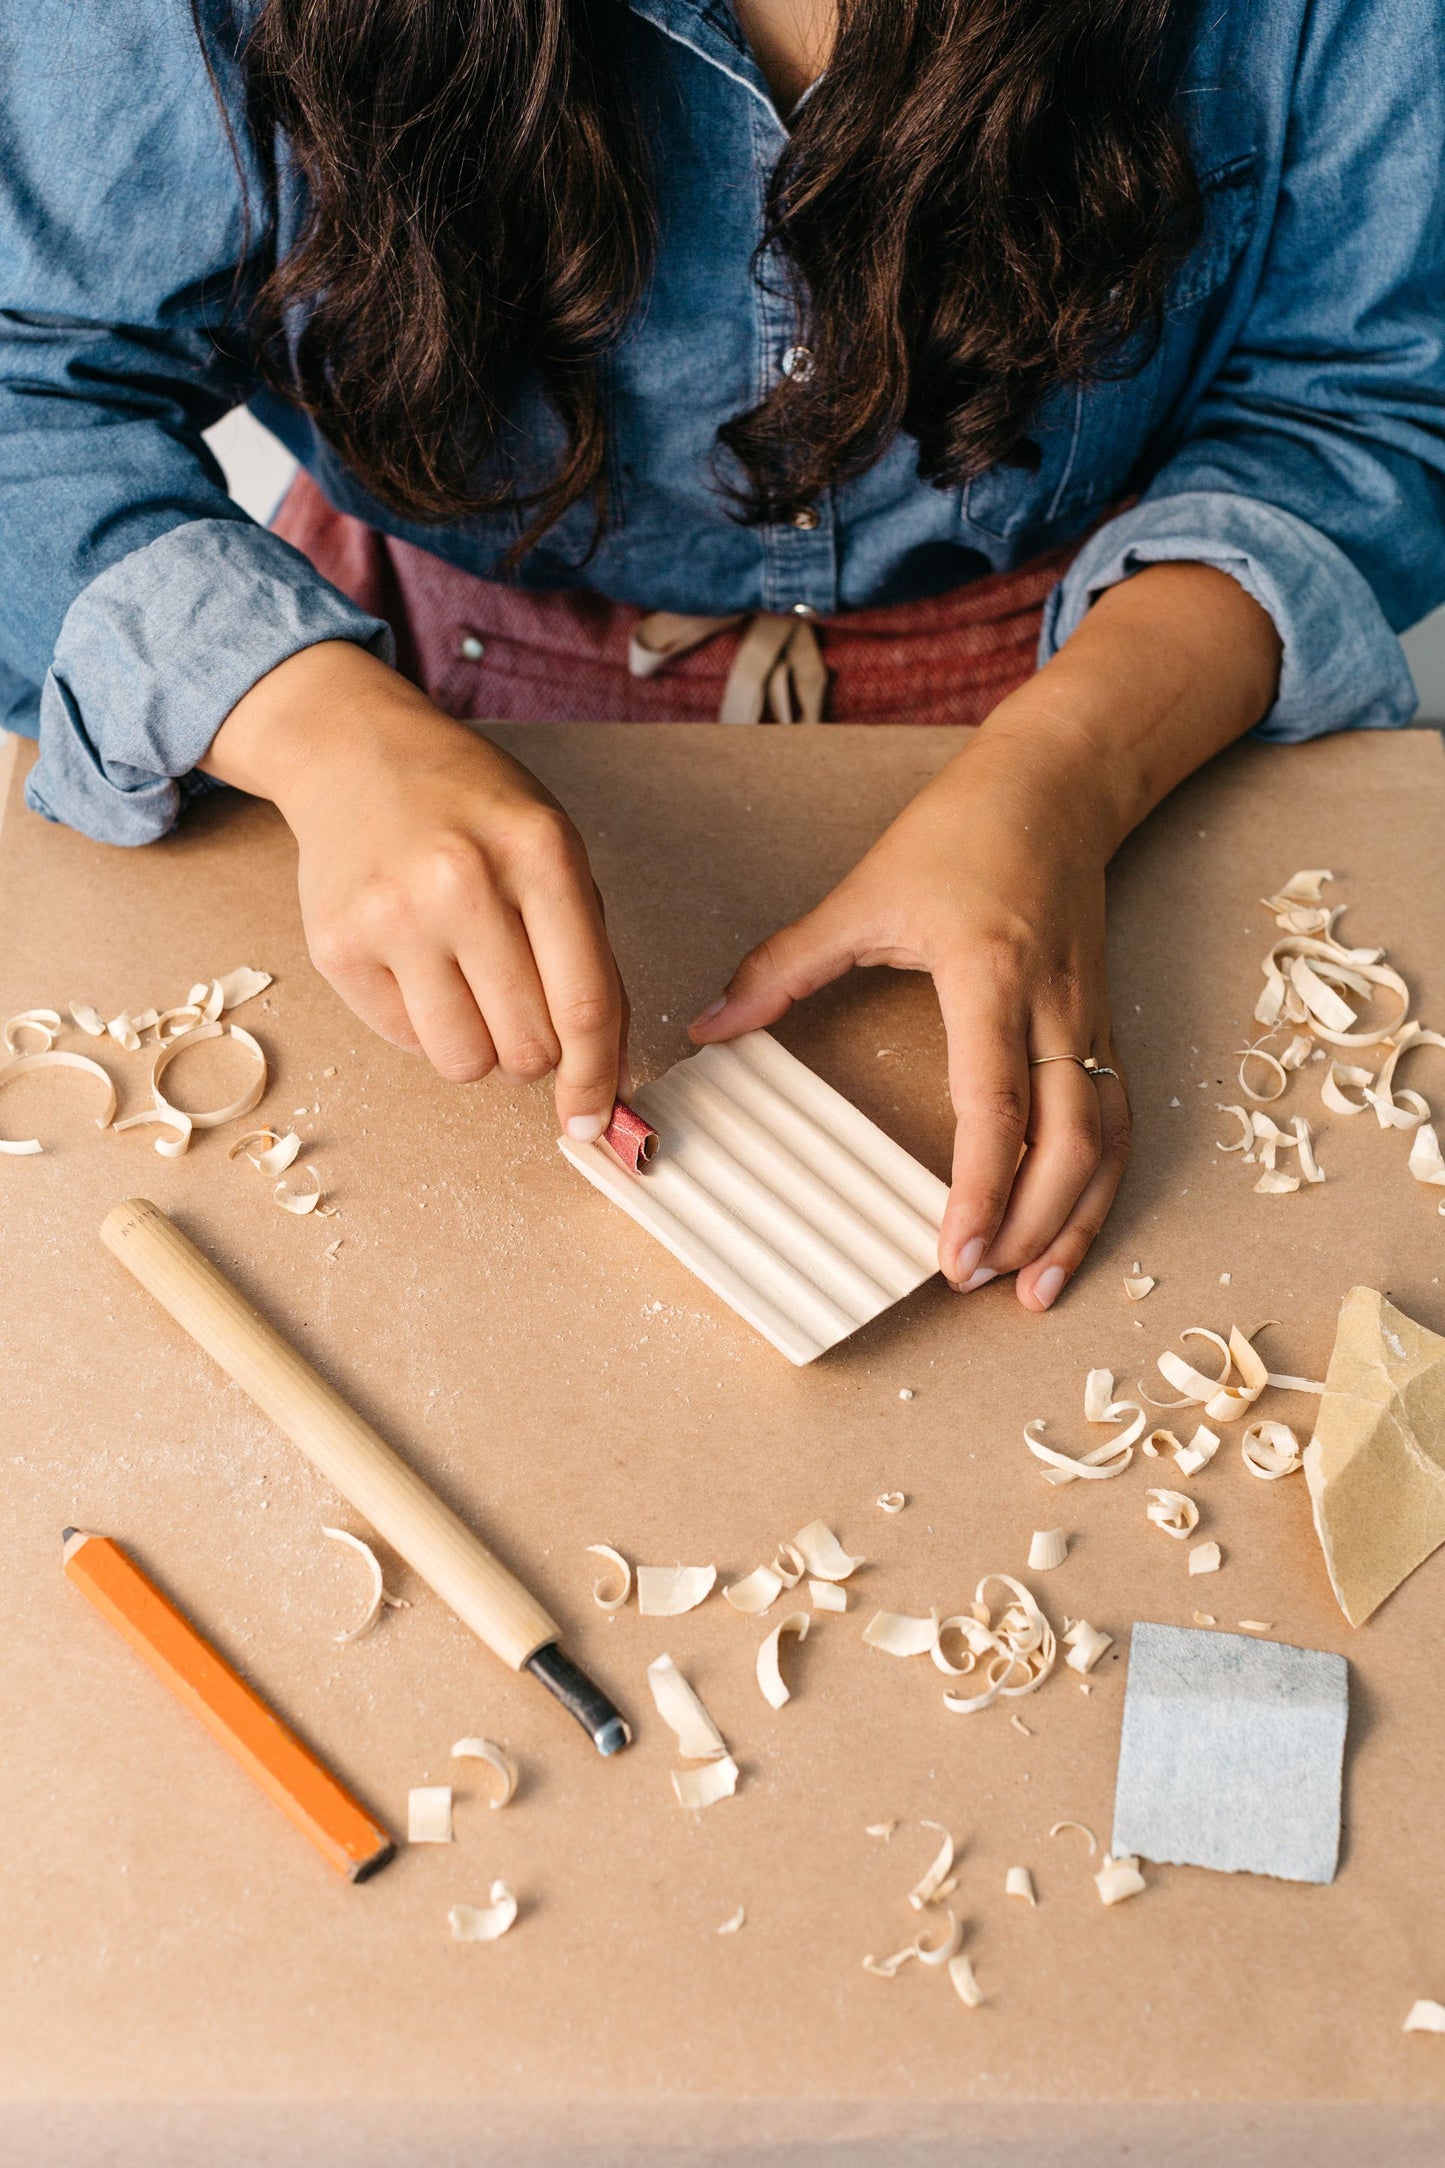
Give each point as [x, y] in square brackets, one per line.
[778, 662]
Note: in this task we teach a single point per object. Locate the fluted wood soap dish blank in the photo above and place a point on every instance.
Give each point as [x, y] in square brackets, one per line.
[782, 1198]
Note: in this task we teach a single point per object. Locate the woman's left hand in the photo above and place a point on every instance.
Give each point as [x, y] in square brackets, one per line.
[992, 879]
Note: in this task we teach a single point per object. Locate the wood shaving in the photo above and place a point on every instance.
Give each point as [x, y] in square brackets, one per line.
[1339, 1074]
[43, 1024]
[90, 1020]
[960, 1971]
[1205, 1558]
[429, 1814]
[668, 1591]
[378, 1598]
[179, 1125]
[125, 1030]
[1086, 1644]
[926, 1889]
[1276, 1185]
[881, 1829]
[1106, 1460]
[698, 1738]
[1425, 1162]
[1274, 1067]
[1139, 1284]
[892, 1501]
[1256, 1625]
[1198, 1453]
[333, 1250]
[730, 1927]
[478, 1923]
[1225, 1399]
[1426, 2017]
[945, 1949]
[755, 1592]
[1018, 1649]
[166, 1054]
[617, 1600]
[26, 1064]
[1205, 1618]
[298, 1200]
[898, 1634]
[822, 1554]
[229, 990]
[827, 1596]
[1171, 1511]
[1271, 1450]
[769, 1671]
[1018, 1882]
[1048, 1547]
[706, 1786]
[789, 1565]
[268, 1153]
[496, 1757]
[174, 1023]
[1160, 1442]
[1019, 1725]
[1084, 1831]
[1118, 1879]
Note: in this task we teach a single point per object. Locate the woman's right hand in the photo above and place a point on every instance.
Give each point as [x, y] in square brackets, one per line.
[445, 894]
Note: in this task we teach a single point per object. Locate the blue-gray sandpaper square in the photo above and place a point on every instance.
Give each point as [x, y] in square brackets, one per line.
[1231, 1754]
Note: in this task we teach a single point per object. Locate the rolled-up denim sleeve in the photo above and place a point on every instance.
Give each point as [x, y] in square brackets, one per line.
[1312, 470]
[137, 601]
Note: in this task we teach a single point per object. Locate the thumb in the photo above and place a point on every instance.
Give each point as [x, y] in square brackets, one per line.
[795, 961]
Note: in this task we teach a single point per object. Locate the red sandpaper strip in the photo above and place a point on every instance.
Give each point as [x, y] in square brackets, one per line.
[630, 1138]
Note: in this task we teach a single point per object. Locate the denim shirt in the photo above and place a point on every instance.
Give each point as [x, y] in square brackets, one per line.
[1289, 427]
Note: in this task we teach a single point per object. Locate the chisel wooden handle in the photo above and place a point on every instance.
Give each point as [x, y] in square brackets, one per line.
[387, 1494]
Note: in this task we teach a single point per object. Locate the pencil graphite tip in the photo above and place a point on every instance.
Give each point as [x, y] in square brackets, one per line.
[67, 1533]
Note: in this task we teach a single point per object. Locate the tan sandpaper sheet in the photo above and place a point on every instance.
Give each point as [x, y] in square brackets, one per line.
[169, 1942]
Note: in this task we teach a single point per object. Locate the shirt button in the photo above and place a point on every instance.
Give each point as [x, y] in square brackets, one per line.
[806, 517]
[797, 361]
[472, 649]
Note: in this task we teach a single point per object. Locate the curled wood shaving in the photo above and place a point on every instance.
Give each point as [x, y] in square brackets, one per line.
[1276, 1185]
[1086, 1644]
[166, 1054]
[1019, 1725]
[881, 1829]
[1171, 1511]
[1425, 1162]
[1337, 1075]
[898, 1634]
[267, 1152]
[26, 1064]
[769, 1671]
[378, 1598]
[298, 1200]
[171, 1118]
[1224, 1399]
[484, 1923]
[941, 1867]
[1048, 1547]
[1084, 1831]
[175, 1023]
[822, 1554]
[698, 1738]
[1298, 1052]
[1271, 1450]
[496, 1757]
[730, 1927]
[1118, 1879]
[827, 1596]
[789, 1565]
[1018, 1648]
[90, 1020]
[1425, 2016]
[1139, 1284]
[1205, 1558]
[1243, 1143]
[229, 990]
[706, 1786]
[43, 1024]
[1160, 1442]
[619, 1598]
[1106, 1460]
[892, 1501]
[946, 1947]
[1198, 1453]
[960, 1971]
[1272, 1064]
[1018, 1882]
[126, 1029]
[668, 1591]
[429, 1814]
[755, 1592]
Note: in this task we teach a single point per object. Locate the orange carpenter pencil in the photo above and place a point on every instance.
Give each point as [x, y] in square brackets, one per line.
[233, 1712]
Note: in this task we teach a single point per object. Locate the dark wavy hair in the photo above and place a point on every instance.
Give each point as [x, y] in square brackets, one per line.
[980, 200]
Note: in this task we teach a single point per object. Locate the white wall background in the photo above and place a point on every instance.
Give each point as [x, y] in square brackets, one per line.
[258, 470]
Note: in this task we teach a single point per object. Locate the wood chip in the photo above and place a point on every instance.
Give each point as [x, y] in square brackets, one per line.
[892, 1501]
[618, 1598]
[478, 1923]
[1426, 2017]
[822, 1554]
[1018, 1882]
[378, 1598]
[755, 1592]
[698, 1738]
[899, 1634]
[1118, 1879]
[1205, 1558]
[1198, 1453]
[268, 1153]
[941, 1867]
[668, 1591]
[769, 1672]
[1205, 1618]
[90, 1020]
[730, 1927]
[960, 1971]
[827, 1596]
[1048, 1547]
[789, 1566]
[1139, 1284]
[881, 1829]
[1086, 1644]
[706, 1786]
[429, 1814]
[1256, 1625]
[26, 1064]
[496, 1757]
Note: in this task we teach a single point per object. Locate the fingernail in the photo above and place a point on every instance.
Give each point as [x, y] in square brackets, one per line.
[705, 1016]
[980, 1278]
[1048, 1283]
[585, 1128]
[969, 1257]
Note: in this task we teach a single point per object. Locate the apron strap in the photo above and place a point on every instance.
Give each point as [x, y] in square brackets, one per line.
[778, 663]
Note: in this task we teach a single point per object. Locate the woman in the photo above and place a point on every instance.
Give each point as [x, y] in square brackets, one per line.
[586, 316]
